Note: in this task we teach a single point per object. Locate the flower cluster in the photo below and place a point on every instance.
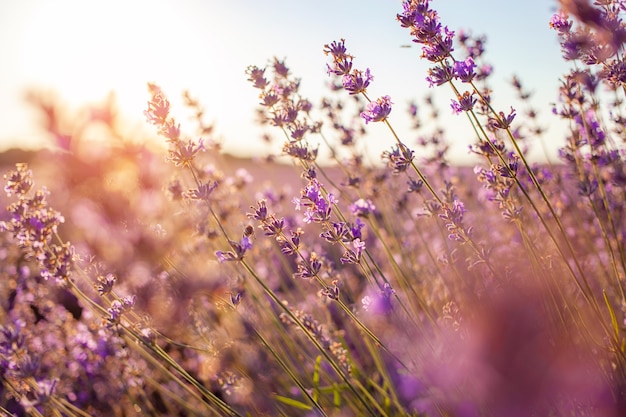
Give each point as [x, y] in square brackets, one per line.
[377, 111]
[399, 159]
[355, 81]
[182, 152]
[411, 286]
[597, 40]
[426, 30]
[34, 224]
[283, 107]
[317, 207]
[238, 250]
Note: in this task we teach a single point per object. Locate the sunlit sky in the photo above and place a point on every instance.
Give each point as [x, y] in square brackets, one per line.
[82, 50]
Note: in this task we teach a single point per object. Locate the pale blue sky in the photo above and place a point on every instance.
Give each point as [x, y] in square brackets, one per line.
[84, 49]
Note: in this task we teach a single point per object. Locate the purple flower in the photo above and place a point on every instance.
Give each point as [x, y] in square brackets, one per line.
[379, 302]
[378, 110]
[465, 103]
[280, 68]
[423, 21]
[260, 211]
[56, 262]
[440, 75]
[336, 49]
[300, 151]
[158, 106]
[33, 223]
[317, 207]
[414, 185]
[256, 76]
[441, 48]
[203, 192]
[362, 207]
[342, 62]
[357, 82]
[464, 70]
[104, 284]
[339, 233]
[503, 121]
[310, 269]
[332, 291]
[354, 256]
[182, 154]
[614, 73]
[119, 307]
[18, 182]
[290, 247]
[224, 256]
[399, 159]
[454, 218]
[238, 250]
[427, 30]
[560, 23]
[355, 229]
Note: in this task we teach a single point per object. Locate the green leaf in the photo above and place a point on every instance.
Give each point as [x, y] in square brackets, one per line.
[613, 317]
[293, 403]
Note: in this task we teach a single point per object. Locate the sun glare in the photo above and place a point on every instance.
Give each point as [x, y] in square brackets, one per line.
[85, 50]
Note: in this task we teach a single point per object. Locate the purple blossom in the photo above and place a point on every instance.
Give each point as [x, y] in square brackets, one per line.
[353, 256]
[339, 232]
[309, 269]
[377, 111]
[256, 76]
[18, 182]
[119, 307]
[560, 22]
[158, 106]
[203, 192]
[415, 185]
[453, 215]
[355, 229]
[342, 62]
[464, 70]
[362, 208]
[341, 67]
[441, 48]
[104, 284]
[290, 246]
[440, 75]
[331, 291]
[300, 151]
[379, 302]
[56, 262]
[465, 103]
[357, 82]
[238, 250]
[426, 30]
[399, 159]
[336, 49]
[317, 207]
[182, 154]
[260, 211]
[503, 121]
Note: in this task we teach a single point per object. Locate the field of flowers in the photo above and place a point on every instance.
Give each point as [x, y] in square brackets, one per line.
[139, 280]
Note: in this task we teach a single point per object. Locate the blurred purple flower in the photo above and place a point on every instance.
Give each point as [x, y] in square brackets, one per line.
[377, 111]
[362, 208]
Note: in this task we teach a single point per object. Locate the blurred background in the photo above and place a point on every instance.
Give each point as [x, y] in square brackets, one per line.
[74, 53]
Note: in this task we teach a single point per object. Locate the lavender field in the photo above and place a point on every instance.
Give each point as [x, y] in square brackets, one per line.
[171, 279]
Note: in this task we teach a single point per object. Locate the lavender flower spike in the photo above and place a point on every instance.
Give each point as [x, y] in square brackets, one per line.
[377, 111]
